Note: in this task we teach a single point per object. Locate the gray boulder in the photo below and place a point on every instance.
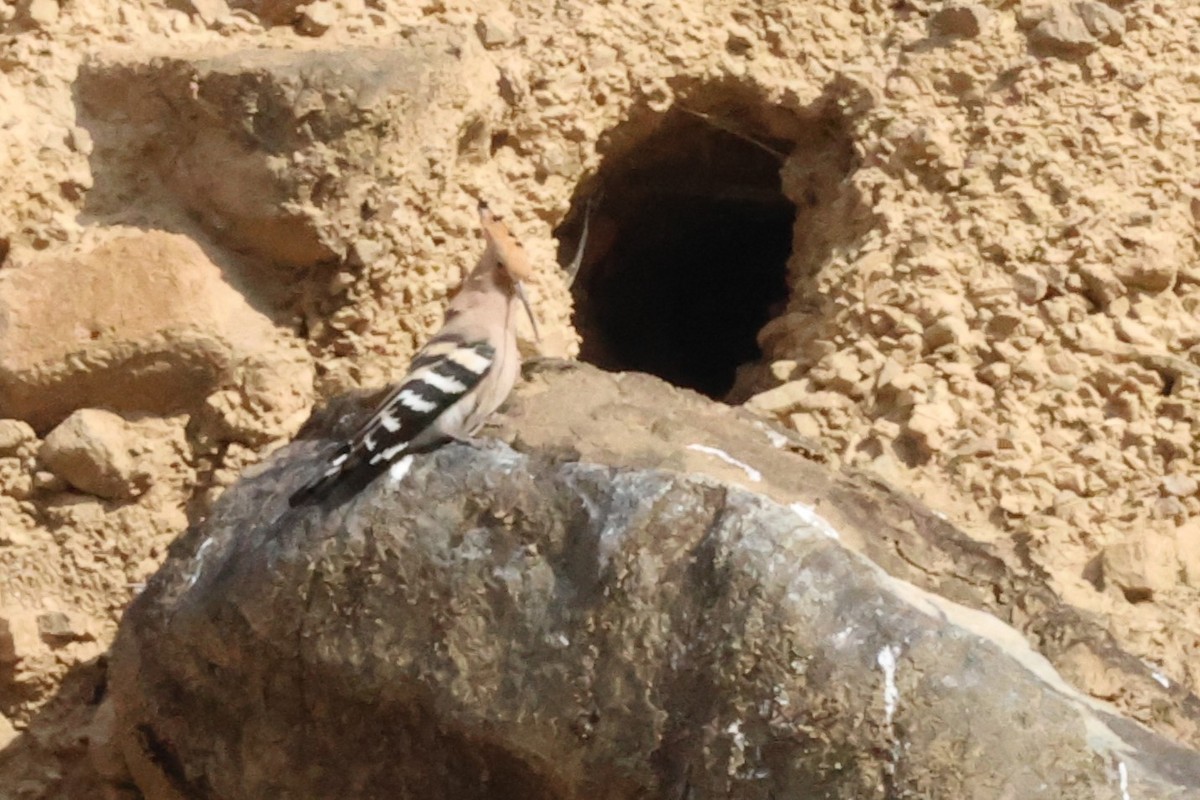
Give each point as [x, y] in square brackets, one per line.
[497, 623]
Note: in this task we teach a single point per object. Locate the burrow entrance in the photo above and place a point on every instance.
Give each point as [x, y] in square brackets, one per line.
[689, 238]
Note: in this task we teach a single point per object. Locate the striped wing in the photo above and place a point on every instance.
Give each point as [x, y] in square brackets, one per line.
[445, 371]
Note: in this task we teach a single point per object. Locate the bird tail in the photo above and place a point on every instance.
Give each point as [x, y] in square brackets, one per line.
[313, 491]
[338, 466]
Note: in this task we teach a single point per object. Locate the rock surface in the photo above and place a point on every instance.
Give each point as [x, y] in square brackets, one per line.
[640, 422]
[141, 322]
[1077, 28]
[992, 299]
[97, 452]
[498, 623]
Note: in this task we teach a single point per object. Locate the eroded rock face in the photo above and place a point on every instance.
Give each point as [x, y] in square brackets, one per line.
[141, 322]
[294, 181]
[507, 624]
[1071, 175]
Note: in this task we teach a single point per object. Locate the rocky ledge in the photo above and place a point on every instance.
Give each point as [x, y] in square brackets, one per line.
[537, 623]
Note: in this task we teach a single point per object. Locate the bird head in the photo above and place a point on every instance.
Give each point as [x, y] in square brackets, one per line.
[511, 255]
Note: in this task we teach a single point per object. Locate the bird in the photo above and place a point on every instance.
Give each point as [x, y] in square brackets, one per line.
[456, 380]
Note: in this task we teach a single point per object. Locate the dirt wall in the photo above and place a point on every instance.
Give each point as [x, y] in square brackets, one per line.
[214, 216]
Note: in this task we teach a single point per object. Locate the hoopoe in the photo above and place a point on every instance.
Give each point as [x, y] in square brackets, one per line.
[456, 380]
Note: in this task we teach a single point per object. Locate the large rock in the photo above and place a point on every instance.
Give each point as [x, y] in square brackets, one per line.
[532, 624]
[640, 422]
[294, 157]
[141, 322]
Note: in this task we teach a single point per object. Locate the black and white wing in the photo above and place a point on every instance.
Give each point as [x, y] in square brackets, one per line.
[445, 372]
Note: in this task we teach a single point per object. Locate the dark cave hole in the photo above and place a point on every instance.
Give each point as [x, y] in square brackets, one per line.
[687, 250]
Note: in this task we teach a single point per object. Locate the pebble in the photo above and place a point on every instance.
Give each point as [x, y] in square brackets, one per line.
[16, 437]
[963, 21]
[316, 18]
[92, 450]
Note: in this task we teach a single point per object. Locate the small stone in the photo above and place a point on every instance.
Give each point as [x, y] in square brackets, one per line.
[787, 397]
[18, 635]
[1101, 285]
[316, 18]
[8, 733]
[1004, 323]
[806, 425]
[929, 423]
[964, 21]
[79, 139]
[784, 369]
[15, 480]
[1187, 548]
[16, 437]
[1180, 485]
[824, 401]
[947, 330]
[46, 481]
[1063, 31]
[1134, 332]
[8, 642]
[1031, 285]
[1141, 568]
[1077, 28]
[57, 627]
[54, 625]
[495, 30]
[1154, 266]
[739, 39]
[210, 11]
[1105, 23]
[888, 374]
[366, 252]
[841, 370]
[1168, 508]
[42, 13]
[93, 451]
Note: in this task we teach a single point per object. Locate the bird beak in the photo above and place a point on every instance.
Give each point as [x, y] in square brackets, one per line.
[528, 310]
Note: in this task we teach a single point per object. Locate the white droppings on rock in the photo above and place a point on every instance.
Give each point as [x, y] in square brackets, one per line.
[812, 519]
[843, 636]
[398, 470]
[750, 471]
[737, 758]
[199, 559]
[1123, 779]
[891, 692]
[777, 439]
[619, 515]
[891, 701]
